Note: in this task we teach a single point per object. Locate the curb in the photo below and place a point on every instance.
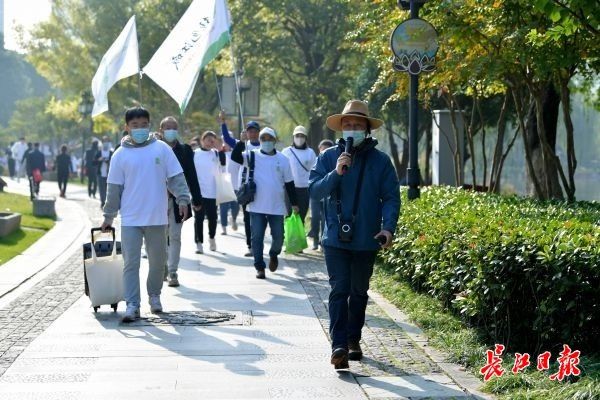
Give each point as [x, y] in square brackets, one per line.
[468, 382]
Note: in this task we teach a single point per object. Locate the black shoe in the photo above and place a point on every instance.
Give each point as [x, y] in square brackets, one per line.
[260, 274]
[249, 253]
[355, 352]
[273, 263]
[339, 359]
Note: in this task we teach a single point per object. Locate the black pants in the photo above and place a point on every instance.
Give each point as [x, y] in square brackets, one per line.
[247, 228]
[11, 167]
[34, 187]
[92, 183]
[349, 274]
[208, 210]
[62, 183]
[303, 200]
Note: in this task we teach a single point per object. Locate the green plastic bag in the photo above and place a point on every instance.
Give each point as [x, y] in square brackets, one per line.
[295, 237]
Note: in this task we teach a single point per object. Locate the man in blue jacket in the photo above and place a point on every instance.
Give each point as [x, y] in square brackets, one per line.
[362, 202]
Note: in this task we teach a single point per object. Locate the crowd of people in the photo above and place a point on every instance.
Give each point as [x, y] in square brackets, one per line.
[156, 181]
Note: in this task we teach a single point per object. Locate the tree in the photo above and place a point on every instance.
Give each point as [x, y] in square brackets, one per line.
[67, 50]
[19, 80]
[298, 49]
[522, 52]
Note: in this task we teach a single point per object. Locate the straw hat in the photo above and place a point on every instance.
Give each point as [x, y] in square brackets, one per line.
[354, 108]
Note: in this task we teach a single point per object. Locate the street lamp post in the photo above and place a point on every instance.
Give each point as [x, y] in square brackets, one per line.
[85, 108]
[414, 44]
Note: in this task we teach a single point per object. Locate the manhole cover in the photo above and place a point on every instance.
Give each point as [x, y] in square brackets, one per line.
[195, 318]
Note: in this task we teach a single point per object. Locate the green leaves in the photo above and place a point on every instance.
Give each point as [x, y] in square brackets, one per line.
[513, 264]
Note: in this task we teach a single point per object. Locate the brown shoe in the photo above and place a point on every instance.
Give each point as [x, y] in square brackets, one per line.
[273, 263]
[260, 274]
[354, 351]
[339, 359]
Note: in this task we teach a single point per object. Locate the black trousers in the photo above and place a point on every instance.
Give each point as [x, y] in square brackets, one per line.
[11, 167]
[247, 228]
[62, 183]
[92, 183]
[34, 187]
[209, 211]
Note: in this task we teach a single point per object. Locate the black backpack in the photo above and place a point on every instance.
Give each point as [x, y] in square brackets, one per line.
[247, 190]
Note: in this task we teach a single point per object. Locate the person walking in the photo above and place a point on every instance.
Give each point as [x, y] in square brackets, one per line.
[11, 162]
[249, 141]
[18, 152]
[141, 172]
[232, 169]
[169, 129]
[302, 160]
[317, 221]
[105, 154]
[91, 168]
[64, 168]
[362, 204]
[273, 178]
[36, 166]
[207, 161]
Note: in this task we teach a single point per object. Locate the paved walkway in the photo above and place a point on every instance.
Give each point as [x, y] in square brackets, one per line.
[268, 339]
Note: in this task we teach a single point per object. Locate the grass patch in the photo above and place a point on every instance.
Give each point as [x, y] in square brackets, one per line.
[32, 228]
[465, 346]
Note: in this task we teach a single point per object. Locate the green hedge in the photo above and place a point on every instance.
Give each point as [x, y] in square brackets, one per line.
[527, 273]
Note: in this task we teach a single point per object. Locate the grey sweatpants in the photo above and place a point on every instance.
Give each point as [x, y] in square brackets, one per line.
[174, 240]
[131, 246]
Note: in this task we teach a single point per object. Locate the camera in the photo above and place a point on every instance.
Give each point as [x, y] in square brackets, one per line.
[346, 231]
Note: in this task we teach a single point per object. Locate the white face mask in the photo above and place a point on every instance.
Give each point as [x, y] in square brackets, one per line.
[299, 141]
[358, 136]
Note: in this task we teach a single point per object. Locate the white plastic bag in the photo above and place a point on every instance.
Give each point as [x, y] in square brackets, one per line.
[225, 192]
[105, 278]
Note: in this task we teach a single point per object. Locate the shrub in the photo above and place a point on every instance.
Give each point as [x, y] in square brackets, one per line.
[526, 273]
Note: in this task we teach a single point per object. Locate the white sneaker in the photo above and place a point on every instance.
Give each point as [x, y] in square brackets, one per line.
[155, 306]
[224, 230]
[234, 225]
[213, 244]
[131, 314]
[199, 249]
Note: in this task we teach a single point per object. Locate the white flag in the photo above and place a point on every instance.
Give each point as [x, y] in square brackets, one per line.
[195, 41]
[120, 61]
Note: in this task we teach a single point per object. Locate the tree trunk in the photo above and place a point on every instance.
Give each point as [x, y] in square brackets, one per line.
[544, 168]
[495, 175]
[565, 94]
[316, 132]
[393, 147]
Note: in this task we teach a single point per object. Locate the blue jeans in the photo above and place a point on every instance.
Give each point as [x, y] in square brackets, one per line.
[224, 209]
[349, 275]
[258, 225]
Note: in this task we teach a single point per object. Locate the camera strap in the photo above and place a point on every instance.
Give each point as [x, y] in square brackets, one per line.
[356, 193]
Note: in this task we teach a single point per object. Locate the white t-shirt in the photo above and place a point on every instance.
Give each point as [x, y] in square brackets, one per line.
[207, 167]
[271, 172]
[308, 159]
[143, 172]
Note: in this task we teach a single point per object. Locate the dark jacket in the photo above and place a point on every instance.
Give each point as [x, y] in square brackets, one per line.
[63, 165]
[185, 156]
[36, 160]
[91, 161]
[379, 200]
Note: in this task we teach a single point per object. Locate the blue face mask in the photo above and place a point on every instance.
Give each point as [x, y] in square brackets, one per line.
[171, 135]
[140, 135]
[358, 136]
[267, 147]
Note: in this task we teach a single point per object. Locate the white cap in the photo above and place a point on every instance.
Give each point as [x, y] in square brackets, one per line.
[300, 130]
[268, 131]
